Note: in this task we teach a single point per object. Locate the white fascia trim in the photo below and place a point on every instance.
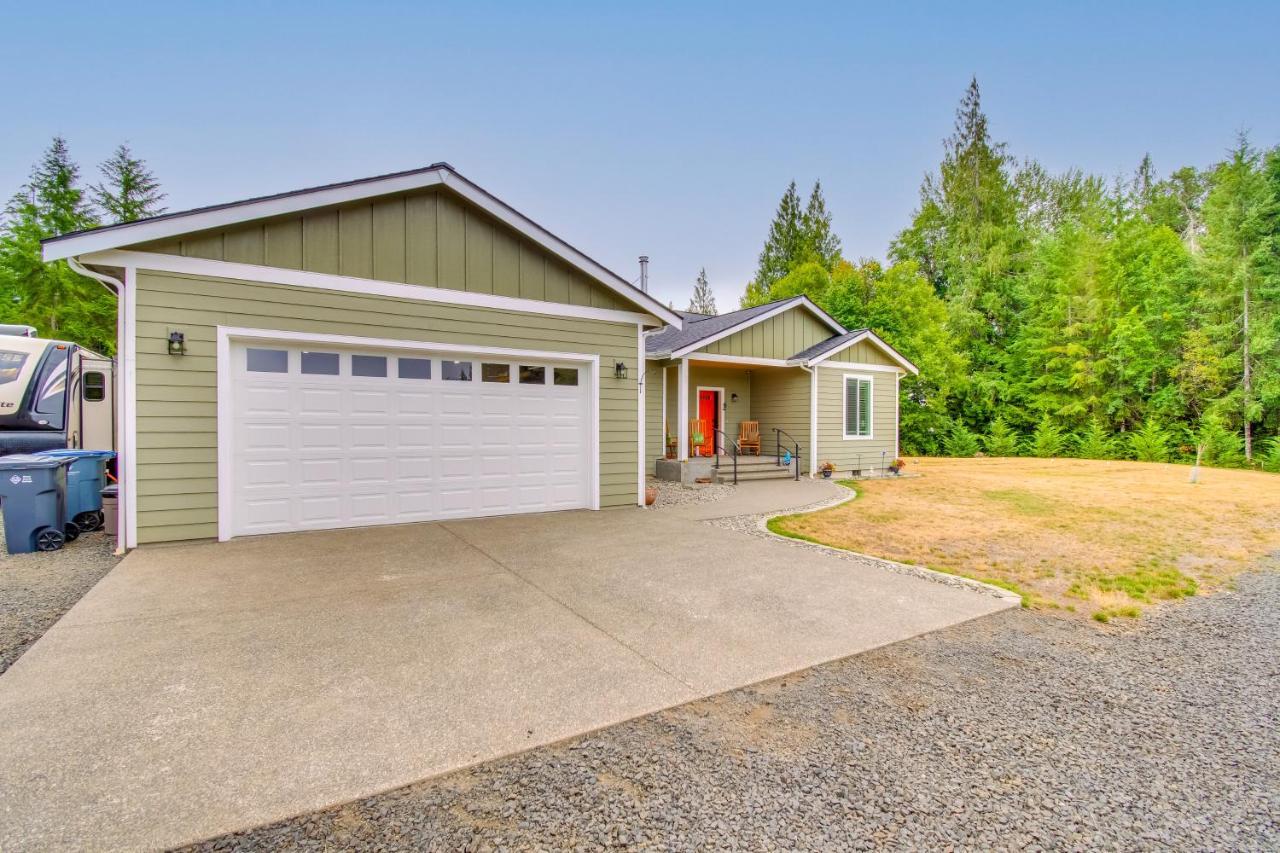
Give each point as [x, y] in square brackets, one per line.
[682, 409]
[129, 440]
[641, 415]
[740, 359]
[147, 230]
[227, 334]
[364, 286]
[783, 307]
[875, 339]
[849, 365]
[844, 407]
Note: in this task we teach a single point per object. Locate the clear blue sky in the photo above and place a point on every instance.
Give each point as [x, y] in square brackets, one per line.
[664, 131]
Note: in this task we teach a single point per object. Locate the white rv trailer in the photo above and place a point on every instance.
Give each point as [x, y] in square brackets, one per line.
[54, 394]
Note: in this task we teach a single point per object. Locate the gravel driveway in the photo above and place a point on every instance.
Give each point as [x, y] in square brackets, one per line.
[36, 589]
[1018, 730]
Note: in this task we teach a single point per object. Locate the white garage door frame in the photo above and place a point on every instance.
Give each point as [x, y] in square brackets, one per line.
[229, 334]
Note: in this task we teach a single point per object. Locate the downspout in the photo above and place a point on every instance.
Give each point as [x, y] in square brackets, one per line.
[116, 287]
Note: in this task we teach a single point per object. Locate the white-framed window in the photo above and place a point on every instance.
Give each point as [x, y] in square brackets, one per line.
[857, 406]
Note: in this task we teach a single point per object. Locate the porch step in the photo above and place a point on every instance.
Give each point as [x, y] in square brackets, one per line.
[755, 472]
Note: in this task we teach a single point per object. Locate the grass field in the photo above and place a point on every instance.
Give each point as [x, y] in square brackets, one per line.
[1102, 539]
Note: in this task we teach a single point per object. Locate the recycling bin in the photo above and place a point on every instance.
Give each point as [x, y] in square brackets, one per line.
[33, 501]
[85, 479]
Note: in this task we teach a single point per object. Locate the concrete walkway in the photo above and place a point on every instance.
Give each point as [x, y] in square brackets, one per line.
[756, 497]
[205, 688]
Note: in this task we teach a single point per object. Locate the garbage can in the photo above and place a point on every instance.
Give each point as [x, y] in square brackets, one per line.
[33, 500]
[85, 479]
[110, 500]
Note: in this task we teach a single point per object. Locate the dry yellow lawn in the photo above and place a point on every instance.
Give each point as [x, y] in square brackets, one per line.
[1097, 538]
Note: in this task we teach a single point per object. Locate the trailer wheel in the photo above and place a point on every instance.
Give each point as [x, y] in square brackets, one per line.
[49, 540]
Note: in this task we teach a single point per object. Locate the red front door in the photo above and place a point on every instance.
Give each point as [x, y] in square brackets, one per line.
[709, 411]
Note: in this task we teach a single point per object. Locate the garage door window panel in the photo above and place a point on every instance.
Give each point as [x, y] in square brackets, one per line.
[371, 366]
[320, 363]
[566, 376]
[531, 374]
[455, 371]
[413, 368]
[266, 360]
[490, 372]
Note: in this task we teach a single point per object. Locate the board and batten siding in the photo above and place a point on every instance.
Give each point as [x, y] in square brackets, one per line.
[863, 352]
[430, 237]
[780, 398]
[847, 454]
[177, 395]
[780, 337]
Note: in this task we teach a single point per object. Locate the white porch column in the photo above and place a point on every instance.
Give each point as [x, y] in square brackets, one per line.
[682, 406]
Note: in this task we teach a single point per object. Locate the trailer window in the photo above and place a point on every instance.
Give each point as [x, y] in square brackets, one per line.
[95, 386]
[11, 364]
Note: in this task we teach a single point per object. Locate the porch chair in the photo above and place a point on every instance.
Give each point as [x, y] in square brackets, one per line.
[749, 437]
[700, 426]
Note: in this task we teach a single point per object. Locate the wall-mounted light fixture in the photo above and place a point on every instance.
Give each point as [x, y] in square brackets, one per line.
[619, 370]
[733, 398]
[177, 343]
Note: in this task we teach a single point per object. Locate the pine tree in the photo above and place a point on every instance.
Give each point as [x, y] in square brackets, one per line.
[819, 244]
[781, 248]
[703, 301]
[58, 302]
[128, 191]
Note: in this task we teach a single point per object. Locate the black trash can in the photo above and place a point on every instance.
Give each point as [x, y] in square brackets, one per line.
[33, 499]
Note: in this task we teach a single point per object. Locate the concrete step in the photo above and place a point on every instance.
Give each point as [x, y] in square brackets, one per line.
[771, 472]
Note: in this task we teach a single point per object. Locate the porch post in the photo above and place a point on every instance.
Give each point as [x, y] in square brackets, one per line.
[682, 406]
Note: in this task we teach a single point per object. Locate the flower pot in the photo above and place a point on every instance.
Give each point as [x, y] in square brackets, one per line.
[650, 495]
[826, 473]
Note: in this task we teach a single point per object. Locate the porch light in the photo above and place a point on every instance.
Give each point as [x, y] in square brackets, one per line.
[177, 343]
[619, 370]
[733, 398]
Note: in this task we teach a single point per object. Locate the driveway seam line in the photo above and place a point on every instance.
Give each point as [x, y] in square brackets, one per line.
[566, 606]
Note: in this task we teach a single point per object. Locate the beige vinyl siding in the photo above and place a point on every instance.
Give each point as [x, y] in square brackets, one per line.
[863, 352]
[177, 395]
[430, 237]
[780, 398]
[844, 453]
[653, 434]
[734, 380]
[778, 337]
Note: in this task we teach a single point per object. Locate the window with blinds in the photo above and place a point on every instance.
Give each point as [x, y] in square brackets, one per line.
[857, 407]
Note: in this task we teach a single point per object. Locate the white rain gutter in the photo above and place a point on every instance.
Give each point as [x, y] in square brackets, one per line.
[116, 287]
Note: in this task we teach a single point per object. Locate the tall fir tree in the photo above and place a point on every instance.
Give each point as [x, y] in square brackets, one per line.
[818, 243]
[781, 248]
[57, 301]
[128, 190]
[703, 301]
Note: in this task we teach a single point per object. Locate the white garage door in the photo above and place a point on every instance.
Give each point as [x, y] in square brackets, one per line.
[343, 437]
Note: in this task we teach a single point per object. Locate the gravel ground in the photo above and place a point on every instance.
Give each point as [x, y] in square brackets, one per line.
[674, 494]
[36, 589]
[1016, 731]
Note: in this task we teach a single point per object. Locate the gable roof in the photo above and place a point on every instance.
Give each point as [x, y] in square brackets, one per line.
[437, 174]
[702, 329]
[824, 350]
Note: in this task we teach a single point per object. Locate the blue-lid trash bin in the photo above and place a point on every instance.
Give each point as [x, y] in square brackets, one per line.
[33, 501]
[85, 480]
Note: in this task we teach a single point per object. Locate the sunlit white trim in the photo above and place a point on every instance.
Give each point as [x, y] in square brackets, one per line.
[783, 307]
[200, 220]
[897, 413]
[228, 334]
[813, 422]
[748, 361]
[641, 413]
[682, 408]
[129, 440]
[664, 410]
[868, 335]
[850, 365]
[364, 286]
[844, 407]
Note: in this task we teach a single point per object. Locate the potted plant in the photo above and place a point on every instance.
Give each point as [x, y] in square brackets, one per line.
[826, 468]
[896, 466]
[650, 495]
[698, 438]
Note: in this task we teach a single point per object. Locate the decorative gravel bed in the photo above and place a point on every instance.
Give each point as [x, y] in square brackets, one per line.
[674, 494]
[36, 589]
[1015, 731]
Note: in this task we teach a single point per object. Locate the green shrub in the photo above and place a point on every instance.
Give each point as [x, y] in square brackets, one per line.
[1048, 439]
[1150, 443]
[1000, 440]
[1222, 447]
[961, 442]
[1271, 458]
[1096, 443]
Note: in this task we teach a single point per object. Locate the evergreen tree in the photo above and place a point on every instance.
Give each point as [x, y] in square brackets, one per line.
[128, 190]
[703, 301]
[783, 248]
[1000, 440]
[1095, 442]
[57, 301]
[819, 244]
[1150, 443]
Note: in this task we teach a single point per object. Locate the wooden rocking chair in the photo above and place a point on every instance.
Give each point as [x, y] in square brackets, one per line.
[702, 427]
[749, 437]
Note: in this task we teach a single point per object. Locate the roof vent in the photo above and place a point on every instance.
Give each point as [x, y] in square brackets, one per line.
[644, 273]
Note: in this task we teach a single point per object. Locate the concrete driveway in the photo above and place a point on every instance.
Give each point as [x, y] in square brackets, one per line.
[204, 688]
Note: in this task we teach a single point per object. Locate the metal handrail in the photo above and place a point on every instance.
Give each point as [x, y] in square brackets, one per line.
[778, 432]
[737, 449]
